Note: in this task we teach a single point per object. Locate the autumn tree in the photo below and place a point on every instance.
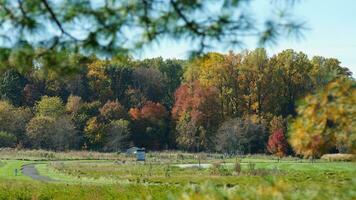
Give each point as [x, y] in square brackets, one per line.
[99, 81]
[149, 125]
[94, 133]
[172, 71]
[113, 110]
[199, 105]
[73, 104]
[255, 83]
[86, 111]
[277, 143]
[54, 85]
[326, 120]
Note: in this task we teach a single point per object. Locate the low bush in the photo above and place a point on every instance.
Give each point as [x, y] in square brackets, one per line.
[237, 167]
[339, 157]
[219, 169]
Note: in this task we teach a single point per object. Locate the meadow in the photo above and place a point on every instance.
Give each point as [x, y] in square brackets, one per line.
[172, 175]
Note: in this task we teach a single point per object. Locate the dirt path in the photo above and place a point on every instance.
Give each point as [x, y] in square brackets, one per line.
[31, 171]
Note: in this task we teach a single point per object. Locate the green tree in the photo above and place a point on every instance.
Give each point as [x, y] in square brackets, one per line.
[11, 86]
[326, 70]
[172, 71]
[7, 139]
[13, 121]
[50, 107]
[49, 133]
[191, 136]
[292, 76]
[120, 75]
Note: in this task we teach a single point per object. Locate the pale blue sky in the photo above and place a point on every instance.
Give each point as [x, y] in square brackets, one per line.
[332, 33]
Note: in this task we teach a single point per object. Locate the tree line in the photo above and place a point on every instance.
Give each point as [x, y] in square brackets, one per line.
[243, 102]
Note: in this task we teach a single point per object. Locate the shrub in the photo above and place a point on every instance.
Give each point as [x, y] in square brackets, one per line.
[219, 169]
[251, 168]
[237, 167]
[7, 140]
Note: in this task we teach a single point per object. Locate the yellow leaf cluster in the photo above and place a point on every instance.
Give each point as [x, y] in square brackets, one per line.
[326, 120]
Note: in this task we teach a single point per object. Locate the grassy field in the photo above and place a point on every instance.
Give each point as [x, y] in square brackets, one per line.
[255, 177]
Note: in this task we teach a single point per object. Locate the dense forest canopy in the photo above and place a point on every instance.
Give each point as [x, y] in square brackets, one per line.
[242, 102]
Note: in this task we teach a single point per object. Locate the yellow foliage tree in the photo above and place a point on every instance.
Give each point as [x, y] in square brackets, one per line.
[326, 120]
[98, 80]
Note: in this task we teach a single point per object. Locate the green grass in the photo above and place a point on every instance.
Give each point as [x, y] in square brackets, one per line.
[109, 173]
[106, 179]
[36, 190]
[7, 170]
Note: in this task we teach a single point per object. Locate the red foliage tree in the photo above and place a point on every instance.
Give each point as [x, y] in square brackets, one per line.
[277, 143]
[149, 125]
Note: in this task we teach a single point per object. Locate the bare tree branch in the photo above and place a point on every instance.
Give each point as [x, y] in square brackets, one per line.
[55, 19]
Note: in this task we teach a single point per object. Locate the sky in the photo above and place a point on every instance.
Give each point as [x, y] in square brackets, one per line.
[331, 33]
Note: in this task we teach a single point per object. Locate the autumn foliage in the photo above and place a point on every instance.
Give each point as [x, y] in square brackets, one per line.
[277, 143]
[326, 121]
[150, 110]
[196, 99]
[214, 102]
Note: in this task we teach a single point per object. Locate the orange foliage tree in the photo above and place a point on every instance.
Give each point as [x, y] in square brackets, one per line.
[196, 113]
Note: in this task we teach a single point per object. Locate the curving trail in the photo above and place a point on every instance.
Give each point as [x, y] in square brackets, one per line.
[31, 171]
